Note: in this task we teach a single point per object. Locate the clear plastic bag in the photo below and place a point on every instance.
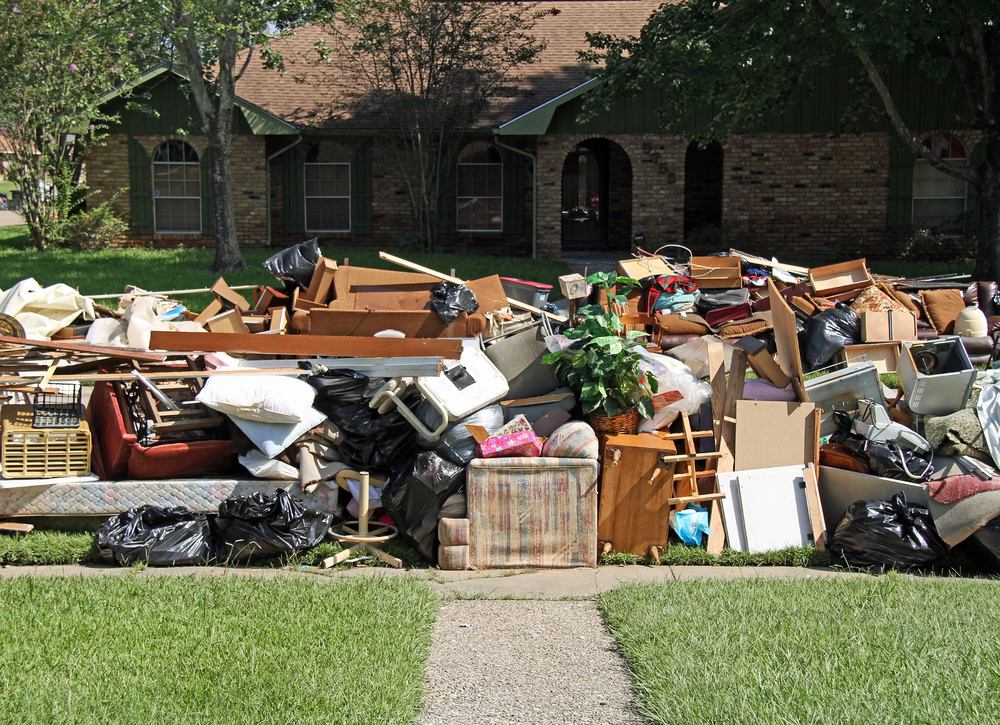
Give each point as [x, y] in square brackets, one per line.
[673, 375]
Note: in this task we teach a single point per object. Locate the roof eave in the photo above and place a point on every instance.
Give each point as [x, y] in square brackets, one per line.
[536, 121]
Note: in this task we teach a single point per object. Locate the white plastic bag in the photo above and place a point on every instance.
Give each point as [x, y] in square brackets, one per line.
[263, 467]
[671, 375]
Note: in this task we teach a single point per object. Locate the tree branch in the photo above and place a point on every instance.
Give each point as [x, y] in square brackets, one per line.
[965, 173]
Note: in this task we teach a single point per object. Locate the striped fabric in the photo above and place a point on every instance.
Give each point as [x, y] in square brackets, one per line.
[575, 439]
[532, 512]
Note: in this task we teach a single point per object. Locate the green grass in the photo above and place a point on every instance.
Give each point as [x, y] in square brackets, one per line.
[44, 548]
[7, 186]
[137, 649]
[679, 554]
[904, 268]
[108, 271]
[886, 650]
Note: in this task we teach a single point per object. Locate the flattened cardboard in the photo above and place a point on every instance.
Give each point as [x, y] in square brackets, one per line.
[772, 433]
[644, 267]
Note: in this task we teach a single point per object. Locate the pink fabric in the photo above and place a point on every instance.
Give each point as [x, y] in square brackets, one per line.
[955, 488]
[758, 389]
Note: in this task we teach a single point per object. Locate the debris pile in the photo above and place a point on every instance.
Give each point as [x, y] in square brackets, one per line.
[729, 399]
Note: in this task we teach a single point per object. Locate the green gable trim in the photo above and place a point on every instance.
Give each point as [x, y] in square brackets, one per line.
[536, 121]
[252, 118]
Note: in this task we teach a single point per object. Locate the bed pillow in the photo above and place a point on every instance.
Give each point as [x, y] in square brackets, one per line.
[263, 398]
[575, 439]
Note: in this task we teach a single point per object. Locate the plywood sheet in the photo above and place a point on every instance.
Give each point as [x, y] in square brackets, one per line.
[774, 433]
[786, 339]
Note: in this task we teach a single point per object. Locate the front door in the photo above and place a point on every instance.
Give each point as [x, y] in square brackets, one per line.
[585, 192]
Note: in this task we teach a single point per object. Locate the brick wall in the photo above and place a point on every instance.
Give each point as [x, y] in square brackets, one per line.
[809, 197]
[107, 174]
[392, 218]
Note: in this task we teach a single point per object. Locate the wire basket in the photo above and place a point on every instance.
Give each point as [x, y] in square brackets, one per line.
[61, 409]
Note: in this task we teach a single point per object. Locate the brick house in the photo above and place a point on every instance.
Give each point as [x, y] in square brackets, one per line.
[535, 179]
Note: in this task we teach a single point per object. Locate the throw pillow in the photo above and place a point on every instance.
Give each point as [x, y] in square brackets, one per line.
[943, 306]
[575, 439]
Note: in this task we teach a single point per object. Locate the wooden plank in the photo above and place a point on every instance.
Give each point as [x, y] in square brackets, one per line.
[717, 379]
[304, 345]
[211, 310]
[816, 518]
[726, 445]
[771, 433]
[786, 339]
[127, 353]
[322, 279]
[537, 401]
[761, 262]
[224, 293]
[12, 528]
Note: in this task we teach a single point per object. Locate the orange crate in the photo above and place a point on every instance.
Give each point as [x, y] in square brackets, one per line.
[41, 452]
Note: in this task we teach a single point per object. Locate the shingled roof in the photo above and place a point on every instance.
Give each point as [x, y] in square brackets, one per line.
[307, 94]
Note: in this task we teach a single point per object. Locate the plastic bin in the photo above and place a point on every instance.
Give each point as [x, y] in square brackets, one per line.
[535, 294]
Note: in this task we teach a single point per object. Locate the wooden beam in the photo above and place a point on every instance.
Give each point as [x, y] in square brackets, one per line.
[761, 262]
[127, 353]
[304, 345]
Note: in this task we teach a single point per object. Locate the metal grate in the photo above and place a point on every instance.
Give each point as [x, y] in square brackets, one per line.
[61, 409]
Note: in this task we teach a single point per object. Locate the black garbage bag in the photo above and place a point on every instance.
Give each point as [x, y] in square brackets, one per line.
[450, 300]
[264, 525]
[338, 387]
[156, 536]
[415, 495]
[370, 440]
[295, 266]
[983, 547]
[456, 443]
[830, 331]
[887, 534]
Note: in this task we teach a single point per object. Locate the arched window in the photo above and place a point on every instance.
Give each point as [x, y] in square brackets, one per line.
[176, 189]
[939, 200]
[480, 188]
[328, 188]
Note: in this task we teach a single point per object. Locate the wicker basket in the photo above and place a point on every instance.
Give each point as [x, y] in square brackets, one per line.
[613, 424]
[42, 452]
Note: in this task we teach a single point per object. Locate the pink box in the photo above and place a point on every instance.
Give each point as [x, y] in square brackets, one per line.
[508, 445]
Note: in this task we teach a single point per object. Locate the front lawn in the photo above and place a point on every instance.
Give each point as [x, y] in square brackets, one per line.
[138, 649]
[885, 650]
[108, 271]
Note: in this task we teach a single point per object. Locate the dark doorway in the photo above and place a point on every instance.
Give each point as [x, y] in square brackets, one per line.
[596, 197]
[702, 186]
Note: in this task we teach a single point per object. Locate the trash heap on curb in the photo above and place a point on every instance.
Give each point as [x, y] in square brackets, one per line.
[726, 400]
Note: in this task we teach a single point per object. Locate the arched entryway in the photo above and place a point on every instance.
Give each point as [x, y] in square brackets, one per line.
[702, 186]
[596, 197]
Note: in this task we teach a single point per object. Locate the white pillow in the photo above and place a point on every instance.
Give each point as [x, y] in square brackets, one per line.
[264, 398]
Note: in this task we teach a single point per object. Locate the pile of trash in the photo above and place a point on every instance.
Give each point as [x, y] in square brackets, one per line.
[726, 400]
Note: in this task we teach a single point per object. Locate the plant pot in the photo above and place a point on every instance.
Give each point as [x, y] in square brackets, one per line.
[613, 424]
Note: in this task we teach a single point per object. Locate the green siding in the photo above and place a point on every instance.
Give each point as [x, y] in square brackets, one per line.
[172, 111]
[815, 107]
[361, 190]
[207, 194]
[900, 184]
[293, 211]
[140, 188]
[513, 194]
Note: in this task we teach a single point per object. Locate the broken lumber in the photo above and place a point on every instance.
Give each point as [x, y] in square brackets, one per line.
[126, 353]
[304, 345]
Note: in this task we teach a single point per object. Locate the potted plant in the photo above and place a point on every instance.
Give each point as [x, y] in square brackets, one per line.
[602, 366]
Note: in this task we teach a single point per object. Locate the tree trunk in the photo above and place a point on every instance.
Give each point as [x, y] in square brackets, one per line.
[227, 248]
[988, 250]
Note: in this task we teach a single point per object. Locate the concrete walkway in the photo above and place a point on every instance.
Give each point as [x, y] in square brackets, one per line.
[10, 218]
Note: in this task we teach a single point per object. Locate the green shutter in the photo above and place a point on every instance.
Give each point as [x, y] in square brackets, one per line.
[447, 200]
[293, 208]
[140, 188]
[207, 194]
[972, 215]
[900, 184]
[361, 190]
[513, 194]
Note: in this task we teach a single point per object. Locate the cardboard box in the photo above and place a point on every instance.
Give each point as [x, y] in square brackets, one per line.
[836, 278]
[937, 375]
[888, 326]
[716, 272]
[885, 355]
[645, 267]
